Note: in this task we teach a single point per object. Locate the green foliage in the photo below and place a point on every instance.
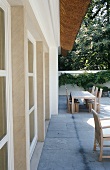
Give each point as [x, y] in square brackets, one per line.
[65, 63]
[105, 88]
[93, 40]
[85, 80]
[92, 46]
[89, 85]
[66, 79]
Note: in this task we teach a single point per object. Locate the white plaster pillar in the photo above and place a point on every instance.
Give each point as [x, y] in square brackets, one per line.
[18, 39]
[53, 80]
[40, 90]
[47, 94]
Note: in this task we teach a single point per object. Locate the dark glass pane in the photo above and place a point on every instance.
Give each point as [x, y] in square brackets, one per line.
[31, 94]
[4, 158]
[32, 132]
[3, 123]
[30, 57]
[2, 40]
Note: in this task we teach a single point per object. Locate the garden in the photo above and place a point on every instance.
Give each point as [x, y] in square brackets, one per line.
[87, 80]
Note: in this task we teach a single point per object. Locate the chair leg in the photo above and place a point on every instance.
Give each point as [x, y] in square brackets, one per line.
[93, 105]
[76, 107]
[86, 101]
[94, 148]
[101, 152]
[98, 107]
[69, 108]
[90, 106]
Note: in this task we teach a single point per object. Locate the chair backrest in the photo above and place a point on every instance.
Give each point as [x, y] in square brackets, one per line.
[98, 127]
[66, 92]
[96, 91]
[69, 97]
[93, 89]
[100, 94]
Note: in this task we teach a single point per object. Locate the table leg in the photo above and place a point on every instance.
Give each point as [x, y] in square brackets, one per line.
[95, 104]
[73, 106]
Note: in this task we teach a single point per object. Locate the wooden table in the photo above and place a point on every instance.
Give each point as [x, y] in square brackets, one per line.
[82, 95]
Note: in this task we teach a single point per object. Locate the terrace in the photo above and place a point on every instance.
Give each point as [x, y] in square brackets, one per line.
[69, 141]
[32, 36]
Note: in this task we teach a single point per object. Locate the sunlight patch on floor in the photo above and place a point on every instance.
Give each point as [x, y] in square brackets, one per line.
[106, 107]
[91, 122]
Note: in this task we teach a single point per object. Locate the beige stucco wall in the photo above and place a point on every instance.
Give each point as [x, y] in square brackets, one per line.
[47, 94]
[18, 86]
[40, 91]
[24, 20]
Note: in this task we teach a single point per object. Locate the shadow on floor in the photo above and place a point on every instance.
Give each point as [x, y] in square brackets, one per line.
[69, 142]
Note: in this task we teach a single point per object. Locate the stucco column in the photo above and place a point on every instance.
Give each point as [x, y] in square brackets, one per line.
[53, 80]
[47, 94]
[18, 86]
[40, 90]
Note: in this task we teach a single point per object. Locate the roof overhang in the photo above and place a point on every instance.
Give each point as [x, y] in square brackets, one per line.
[72, 13]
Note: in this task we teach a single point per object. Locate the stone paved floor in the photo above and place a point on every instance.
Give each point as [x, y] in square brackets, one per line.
[69, 141]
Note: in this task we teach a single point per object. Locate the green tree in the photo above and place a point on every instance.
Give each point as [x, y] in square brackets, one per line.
[91, 49]
[93, 40]
[65, 63]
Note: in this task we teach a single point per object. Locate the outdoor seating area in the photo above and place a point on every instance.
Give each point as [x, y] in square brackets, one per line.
[91, 100]
[69, 141]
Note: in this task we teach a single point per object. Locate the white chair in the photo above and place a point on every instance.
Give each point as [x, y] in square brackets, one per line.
[93, 90]
[96, 91]
[98, 100]
[69, 103]
[91, 102]
[100, 136]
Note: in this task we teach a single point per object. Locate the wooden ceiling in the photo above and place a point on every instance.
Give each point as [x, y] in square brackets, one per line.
[72, 13]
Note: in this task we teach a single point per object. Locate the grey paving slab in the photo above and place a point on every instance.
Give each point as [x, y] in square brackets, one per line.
[69, 141]
[99, 166]
[61, 144]
[57, 126]
[60, 160]
[82, 127]
[63, 119]
[61, 134]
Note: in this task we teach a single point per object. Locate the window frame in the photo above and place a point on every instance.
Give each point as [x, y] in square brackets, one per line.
[34, 107]
[8, 138]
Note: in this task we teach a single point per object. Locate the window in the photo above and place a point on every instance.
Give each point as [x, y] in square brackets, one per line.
[3, 113]
[2, 39]
[31, 92]
[6, 158]
[3, 124]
